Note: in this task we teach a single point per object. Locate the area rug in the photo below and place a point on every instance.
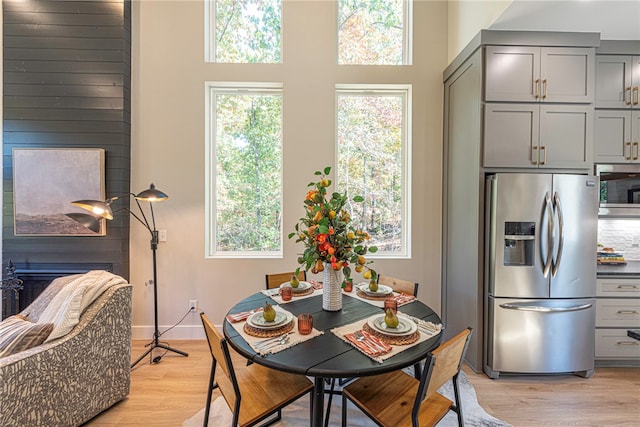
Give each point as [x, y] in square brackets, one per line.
[297, 414]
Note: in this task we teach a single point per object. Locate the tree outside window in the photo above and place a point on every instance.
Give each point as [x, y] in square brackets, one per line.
[374, 32]
[245, 31]
[245, 163]
[373, 148]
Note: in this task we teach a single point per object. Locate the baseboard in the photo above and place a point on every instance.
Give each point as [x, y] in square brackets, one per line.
[180, 332]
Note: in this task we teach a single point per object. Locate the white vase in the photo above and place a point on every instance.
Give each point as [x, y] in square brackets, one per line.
[331, 289]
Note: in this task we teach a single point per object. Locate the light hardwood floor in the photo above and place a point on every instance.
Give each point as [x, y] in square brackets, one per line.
[169, 392]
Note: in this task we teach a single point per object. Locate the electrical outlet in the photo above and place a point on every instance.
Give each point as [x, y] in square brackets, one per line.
[162, 235]
[193, 305]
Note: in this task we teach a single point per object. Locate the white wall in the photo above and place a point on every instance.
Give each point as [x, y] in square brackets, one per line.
[168, 75]
[619, 234]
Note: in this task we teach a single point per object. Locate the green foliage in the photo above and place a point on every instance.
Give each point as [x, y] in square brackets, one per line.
[248, 31]
[248, 154]
[327, 232]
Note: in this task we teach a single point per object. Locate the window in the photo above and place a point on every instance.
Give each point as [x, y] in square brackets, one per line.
[374, 32]
[244, 31]
[373, 160]
[244, 155]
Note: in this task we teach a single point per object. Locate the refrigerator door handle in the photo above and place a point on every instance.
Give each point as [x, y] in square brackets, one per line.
[558, 206]
[549, 212]
[516, 306]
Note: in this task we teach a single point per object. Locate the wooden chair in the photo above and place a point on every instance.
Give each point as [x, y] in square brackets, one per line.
[399, 285]
[275, 280]
[397, 399]
[252, 392]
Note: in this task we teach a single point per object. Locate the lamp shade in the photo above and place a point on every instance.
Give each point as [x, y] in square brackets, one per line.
[96, 207]
[152, 194]
[89, 221]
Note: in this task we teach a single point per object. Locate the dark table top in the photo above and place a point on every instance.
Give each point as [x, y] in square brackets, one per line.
[327, 355]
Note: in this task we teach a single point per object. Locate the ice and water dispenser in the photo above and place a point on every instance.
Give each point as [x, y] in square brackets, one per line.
[519, 241]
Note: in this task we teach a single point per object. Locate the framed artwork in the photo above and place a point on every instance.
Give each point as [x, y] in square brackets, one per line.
[46, 181]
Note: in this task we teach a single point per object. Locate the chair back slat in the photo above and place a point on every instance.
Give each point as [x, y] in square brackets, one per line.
[275, 280]
[399, 285]
[447, 361]
[215, 338]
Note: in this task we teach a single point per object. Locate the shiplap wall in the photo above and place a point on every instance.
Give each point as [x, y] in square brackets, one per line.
[66, 84]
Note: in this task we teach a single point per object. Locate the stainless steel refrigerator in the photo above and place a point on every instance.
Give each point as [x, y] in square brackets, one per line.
[540, 275]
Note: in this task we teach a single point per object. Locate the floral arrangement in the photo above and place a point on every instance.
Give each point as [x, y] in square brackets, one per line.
[328, 234]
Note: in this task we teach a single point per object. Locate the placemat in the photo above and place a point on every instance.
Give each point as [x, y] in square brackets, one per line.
[393, 340]
[293, 336]
[357, 325]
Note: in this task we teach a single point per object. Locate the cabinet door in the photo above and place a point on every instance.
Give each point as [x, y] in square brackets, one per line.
[566, 136]
[567, 74]
[613, 78]
[613, 136]
[511, 73]
[511, 135]
[634, 154]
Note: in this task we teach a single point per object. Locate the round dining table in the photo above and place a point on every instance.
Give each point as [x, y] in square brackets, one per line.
[328, 356]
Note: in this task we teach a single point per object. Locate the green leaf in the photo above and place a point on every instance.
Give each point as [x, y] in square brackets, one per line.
[358, 199]
[291, 235]
[317, 173]
[346, 271]
[327, 170]
[373, 249]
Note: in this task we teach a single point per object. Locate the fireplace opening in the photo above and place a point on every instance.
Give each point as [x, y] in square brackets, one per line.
[35, 279]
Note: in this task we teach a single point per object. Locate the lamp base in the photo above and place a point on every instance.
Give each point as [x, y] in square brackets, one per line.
[156, 359]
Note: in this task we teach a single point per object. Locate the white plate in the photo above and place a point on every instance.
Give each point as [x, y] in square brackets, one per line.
[382, 290]
[302, 287]
[405, 326]
[257, 320]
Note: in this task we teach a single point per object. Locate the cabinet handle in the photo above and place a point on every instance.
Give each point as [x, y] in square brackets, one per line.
[629, 90]
[627, 156]
[627, 312]
[544, 88]
[543, 150]
[535, 157]
[634, 287]
[627, 343]
[537, 89]
[635, 156]
[635, 98]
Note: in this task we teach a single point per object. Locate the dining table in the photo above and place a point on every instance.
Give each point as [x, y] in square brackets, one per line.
[326, 355]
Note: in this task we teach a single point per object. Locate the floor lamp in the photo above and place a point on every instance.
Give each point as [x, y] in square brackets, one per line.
[102, 210]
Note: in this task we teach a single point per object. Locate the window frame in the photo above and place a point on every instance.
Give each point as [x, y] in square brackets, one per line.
[212, 88]
[387, 89]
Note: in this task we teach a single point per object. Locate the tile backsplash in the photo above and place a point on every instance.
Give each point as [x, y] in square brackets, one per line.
[619, 234]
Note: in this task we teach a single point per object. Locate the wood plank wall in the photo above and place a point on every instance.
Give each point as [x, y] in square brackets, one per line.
[67, 73]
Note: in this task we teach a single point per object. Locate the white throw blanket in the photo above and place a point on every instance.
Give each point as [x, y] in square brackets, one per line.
[69, 303]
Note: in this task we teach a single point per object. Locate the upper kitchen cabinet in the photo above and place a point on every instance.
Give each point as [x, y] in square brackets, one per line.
[537, 136]
[617, 136]
[617, 81]
[539, 74]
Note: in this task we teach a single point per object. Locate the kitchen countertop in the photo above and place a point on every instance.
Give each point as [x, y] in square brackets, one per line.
[631, 268]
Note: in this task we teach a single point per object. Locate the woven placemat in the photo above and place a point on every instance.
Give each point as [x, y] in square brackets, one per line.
[391, 339]
[303, 293]
[373, 297]
[266, 333]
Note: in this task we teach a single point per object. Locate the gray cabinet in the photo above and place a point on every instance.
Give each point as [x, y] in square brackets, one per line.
[617, 137]
[539, 74]
[617, 81]
[537, 136]
[617, 310]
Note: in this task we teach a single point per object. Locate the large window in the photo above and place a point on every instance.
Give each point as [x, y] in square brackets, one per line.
[244, 31]
[244, 155]
[374, 32]
[373, 149]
